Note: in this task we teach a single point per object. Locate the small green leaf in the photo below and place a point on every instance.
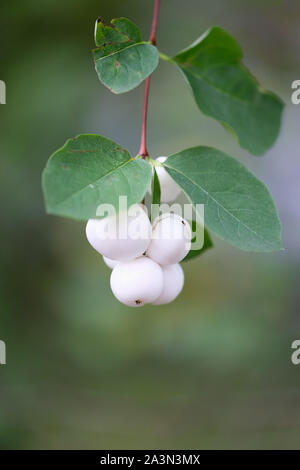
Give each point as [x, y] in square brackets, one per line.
[238, 207]
[122, 60]
[155, 188]
[225, 90]
[207, 243]
[90, 170]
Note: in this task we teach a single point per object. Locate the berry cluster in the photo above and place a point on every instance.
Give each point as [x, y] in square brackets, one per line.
[144, 258]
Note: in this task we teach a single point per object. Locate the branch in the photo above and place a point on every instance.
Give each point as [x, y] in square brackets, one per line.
[143, 152]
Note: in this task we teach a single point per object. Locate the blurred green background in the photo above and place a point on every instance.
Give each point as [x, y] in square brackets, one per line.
[213, 369]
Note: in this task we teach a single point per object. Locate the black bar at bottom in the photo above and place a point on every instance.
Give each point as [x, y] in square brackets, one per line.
[145, 458]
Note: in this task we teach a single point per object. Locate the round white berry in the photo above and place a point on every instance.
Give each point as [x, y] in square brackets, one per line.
[137, 282]
[169, 190]
[121, 237]
[171, 239]
[173, 284]
[111, 263]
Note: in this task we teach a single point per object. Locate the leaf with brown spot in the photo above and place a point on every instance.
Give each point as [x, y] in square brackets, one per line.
[122, 59]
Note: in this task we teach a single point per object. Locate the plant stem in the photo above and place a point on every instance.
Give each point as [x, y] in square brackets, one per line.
[154, 23]
[143, 152]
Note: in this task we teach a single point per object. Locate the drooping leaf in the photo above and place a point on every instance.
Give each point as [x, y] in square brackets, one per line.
[207, 243]
[122, 60]
[225, 90]
[90, 170]
[237, 206]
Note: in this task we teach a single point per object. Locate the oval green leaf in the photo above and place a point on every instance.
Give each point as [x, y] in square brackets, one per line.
[122, 60]
[225, 90]
[90, 170]
[238, 207]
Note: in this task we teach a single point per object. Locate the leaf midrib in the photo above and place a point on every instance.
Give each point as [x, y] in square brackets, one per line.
[121, 50]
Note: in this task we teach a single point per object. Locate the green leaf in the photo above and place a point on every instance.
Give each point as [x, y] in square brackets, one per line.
[238, 207]
[207, 243]
[122, 60]
[225, 90]
[122, 33]
[155, 189]
[90, 170]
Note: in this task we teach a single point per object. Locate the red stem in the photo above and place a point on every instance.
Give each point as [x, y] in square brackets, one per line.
[143, 152]
[154, 23]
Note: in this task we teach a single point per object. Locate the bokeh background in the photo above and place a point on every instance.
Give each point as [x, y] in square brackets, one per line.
[213, 369]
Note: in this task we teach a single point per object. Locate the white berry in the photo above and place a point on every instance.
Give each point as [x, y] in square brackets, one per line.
[124, 236]
[171, 239]
[111, 263]
[137, 282]
[169, 190]
[173, 284]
